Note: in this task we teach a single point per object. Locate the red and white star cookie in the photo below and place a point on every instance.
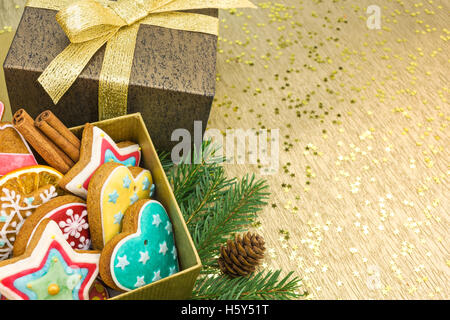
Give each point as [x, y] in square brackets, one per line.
[96, 149]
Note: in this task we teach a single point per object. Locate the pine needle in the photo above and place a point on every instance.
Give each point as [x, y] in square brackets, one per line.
[261, 286]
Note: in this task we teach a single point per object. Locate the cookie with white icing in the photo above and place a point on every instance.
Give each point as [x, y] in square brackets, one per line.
[22, 191]
[113, 189]
[97, 148]
[144, 252]
[49, 268]
[69, 212]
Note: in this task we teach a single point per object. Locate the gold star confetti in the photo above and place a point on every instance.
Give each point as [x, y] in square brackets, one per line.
[363, 126]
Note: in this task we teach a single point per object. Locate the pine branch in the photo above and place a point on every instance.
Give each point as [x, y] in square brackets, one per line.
[210, 188]
[214, 207]
[234, 212]
[166, 162]
[261, 286]
[184, 177]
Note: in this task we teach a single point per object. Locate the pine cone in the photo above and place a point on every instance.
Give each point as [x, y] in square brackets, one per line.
[241, 256]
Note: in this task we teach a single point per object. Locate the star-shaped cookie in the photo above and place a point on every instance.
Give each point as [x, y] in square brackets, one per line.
[96, 149]
[49, 268]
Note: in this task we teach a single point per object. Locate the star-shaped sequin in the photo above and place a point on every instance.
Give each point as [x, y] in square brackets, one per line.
[53, 270]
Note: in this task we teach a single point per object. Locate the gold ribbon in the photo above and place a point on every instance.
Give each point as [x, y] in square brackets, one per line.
[89, 24]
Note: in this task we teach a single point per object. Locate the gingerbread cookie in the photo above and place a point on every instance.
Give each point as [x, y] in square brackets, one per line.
[143, 252]
[21, 192]
[114, 188]
[15, 152]
[96, 149]
[69, 212]
[49, 268]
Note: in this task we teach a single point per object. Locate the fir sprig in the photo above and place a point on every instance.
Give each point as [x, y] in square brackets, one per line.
[234, 212]
[214, 208]
[185, 176]
[261, 286]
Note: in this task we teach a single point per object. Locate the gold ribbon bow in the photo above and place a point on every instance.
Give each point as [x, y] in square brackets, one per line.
[89, 24]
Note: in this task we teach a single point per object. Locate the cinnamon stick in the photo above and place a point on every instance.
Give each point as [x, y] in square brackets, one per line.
[54, 122]
[59, 134]
[56, 158]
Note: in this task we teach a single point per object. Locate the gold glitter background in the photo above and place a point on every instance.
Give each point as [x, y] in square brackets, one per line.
[359, 207]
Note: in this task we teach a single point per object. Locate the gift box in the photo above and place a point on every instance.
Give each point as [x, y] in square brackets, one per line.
[179, 285]
[171, 82]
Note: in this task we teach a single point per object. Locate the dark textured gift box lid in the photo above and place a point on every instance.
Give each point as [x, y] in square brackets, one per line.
[179, 285]
[172, 80]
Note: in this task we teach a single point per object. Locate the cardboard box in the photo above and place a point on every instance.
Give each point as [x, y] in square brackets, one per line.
[172, 82]
[179, 285]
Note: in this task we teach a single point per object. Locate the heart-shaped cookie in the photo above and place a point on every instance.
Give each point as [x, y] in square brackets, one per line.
[144, 252]
[112, 190]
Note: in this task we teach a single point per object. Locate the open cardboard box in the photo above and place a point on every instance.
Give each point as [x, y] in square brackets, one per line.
[179, 285]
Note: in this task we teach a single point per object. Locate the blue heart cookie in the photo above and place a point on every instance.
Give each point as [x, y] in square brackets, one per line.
[143, 252]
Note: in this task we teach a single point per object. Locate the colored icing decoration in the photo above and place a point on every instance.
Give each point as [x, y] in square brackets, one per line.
[2, 110]
[115, 198]
[13, 159]
[127, 182]
[112, 197]
[135, 197]
[145, 184]
[102, 150]
[147, 255]
[72, 220]
[110, 156]
[118, 218]
[152, 190]
[49, 269]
